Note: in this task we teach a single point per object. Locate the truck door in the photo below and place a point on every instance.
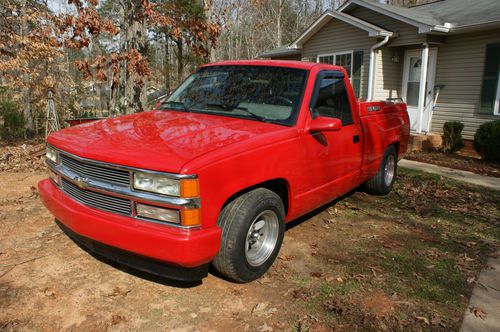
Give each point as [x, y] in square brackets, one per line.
[333, 158]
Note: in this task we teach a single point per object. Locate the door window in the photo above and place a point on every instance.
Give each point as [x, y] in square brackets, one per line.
[413, 84]
[332, 99]
[490, 91]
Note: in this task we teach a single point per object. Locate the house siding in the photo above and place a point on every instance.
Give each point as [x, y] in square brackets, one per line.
[460, 65]
[388, 74]
[337, 36]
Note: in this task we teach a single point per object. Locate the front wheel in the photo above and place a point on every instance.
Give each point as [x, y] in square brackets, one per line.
[382, 182]
[253, 227]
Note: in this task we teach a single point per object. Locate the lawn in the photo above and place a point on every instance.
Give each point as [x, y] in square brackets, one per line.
[405, 261]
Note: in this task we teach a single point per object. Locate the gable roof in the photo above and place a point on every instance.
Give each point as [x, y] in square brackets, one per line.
[439, 16]
[372, 29]
[423, 21]
[464, 13]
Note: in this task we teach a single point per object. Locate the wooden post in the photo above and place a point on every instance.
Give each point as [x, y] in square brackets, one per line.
[422, 87]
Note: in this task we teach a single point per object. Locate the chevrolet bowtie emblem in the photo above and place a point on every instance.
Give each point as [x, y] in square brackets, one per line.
[82, 182]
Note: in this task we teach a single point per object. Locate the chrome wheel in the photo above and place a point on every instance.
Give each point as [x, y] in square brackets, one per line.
[262, 237]
[389, 170]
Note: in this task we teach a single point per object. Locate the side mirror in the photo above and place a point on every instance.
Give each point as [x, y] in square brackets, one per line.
[322, 123]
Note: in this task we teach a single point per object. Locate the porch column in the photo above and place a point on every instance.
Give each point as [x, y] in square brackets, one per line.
[422, 87]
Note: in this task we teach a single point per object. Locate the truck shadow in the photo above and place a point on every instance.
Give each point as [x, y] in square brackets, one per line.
[313, 213]
[166, 281]
[149, 275]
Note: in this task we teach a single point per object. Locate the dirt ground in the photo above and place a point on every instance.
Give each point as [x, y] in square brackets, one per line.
[362, 263]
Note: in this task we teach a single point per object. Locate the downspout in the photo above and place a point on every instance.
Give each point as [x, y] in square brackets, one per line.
[371, 74]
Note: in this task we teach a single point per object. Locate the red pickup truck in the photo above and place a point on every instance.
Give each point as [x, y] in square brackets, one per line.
[217, 170]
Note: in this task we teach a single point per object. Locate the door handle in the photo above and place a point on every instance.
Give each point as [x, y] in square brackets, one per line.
[355, 139]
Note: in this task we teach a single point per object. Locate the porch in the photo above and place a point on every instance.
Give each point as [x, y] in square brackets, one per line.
[408, 73]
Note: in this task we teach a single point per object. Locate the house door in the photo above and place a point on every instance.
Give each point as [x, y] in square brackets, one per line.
[411, 87]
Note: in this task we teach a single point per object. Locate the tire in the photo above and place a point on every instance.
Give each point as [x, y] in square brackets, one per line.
[253, 226]
[382, 182]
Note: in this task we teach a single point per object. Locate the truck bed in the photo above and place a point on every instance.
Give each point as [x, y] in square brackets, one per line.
[381, 122]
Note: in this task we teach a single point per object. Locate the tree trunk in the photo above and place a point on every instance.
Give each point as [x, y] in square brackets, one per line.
[166, 66]
[180, 59]
[27, 114]
[132, 96]
[279, 32]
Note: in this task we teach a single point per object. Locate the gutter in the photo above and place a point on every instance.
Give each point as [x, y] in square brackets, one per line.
[371, 75]
[475, 27]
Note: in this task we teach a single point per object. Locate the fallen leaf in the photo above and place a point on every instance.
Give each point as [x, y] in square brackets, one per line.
[259, 308]
[422, 319]
[478, 312]
[417, 276]
[271, 311]
[117, 319]
[117, 291]
[265, 328]
[436, 320]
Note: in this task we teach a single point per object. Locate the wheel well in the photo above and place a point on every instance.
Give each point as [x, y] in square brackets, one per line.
[396, 145]
[278, 186]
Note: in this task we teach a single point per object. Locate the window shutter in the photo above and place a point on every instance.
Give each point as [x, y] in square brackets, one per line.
[357, 64]
[490, 79]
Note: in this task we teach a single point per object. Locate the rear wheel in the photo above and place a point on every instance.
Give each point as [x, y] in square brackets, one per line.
[253, 227]
[382, 182]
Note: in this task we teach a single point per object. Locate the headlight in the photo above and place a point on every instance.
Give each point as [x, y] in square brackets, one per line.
[158, 213]
[52, 154]
[161, 184]
[156, 183]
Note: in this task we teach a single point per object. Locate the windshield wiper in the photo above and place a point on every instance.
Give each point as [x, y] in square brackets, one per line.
[175, 103]
[230, 108]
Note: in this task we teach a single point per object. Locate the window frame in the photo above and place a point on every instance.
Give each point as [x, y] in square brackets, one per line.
[317, 87]
[495, 110]
[351, 52]
[496, 105]
[294, 113]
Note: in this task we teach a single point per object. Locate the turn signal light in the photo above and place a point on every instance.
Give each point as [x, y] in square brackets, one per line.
[190, 188]
[191, 217]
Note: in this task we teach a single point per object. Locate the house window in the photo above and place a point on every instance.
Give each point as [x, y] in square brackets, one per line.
[352, 63]
[343, 59]
[490, 92]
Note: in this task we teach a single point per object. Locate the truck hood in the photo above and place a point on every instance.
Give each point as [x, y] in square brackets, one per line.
[157, 140]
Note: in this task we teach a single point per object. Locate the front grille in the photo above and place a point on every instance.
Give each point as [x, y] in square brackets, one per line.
[97, 200]
[91, 171]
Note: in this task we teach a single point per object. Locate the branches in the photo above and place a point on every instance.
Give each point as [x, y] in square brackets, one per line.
[251, 27]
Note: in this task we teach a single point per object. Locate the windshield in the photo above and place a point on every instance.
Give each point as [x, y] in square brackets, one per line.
[260, 93]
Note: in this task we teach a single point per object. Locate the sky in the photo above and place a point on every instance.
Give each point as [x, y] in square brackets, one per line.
[58, 6]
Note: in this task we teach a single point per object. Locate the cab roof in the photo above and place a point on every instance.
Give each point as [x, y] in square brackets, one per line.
[271, 63]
